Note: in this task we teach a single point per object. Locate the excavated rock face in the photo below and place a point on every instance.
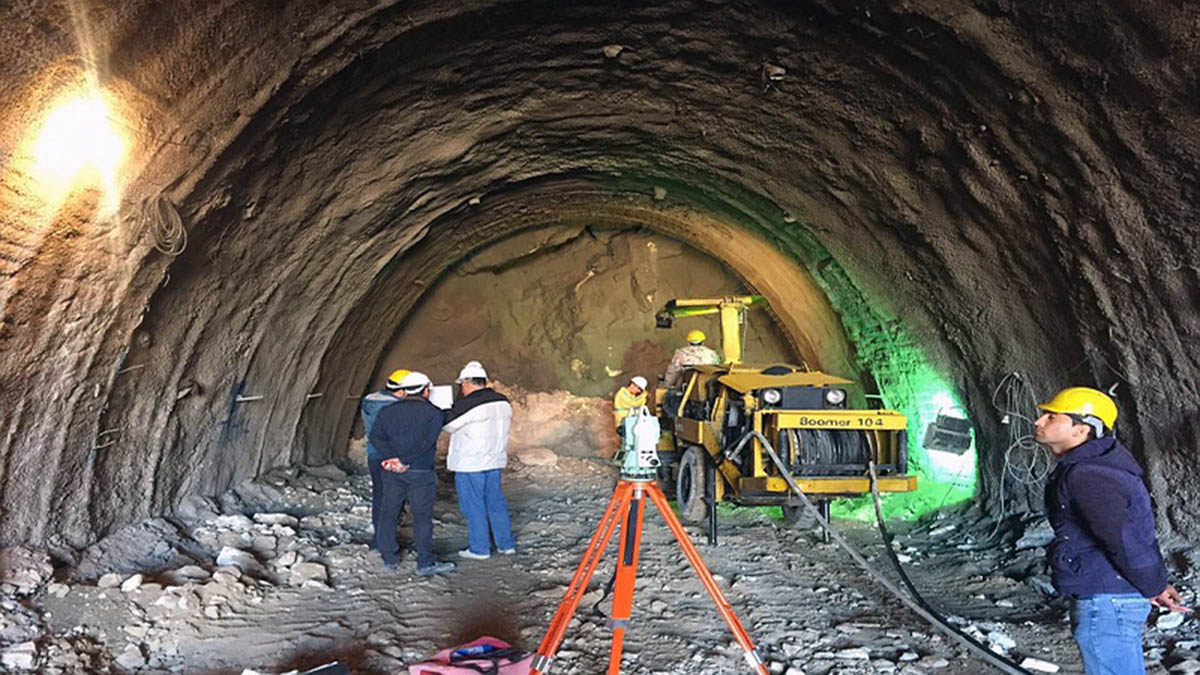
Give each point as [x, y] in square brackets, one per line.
[563, 309]
[998, 186]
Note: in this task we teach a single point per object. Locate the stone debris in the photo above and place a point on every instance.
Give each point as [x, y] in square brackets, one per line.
[186, 574]
[236, 522]
[132, 583]
[1170, 620]
[1000, 642]
[110, 580]
[1030, 663]
[276, 519]
[244, 561]
[20, 656]
[73, 653]
[933, 662]
[612, 51]
[327, 471]
[24, 571]
[132, 658]
[943, 530]
[301, 573]
[538, 457]
[18, 623]
[1036, 535]
[1188, 666]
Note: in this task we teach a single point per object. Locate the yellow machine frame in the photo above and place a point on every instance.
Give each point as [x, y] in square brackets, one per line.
[758, 480]
[880, 424]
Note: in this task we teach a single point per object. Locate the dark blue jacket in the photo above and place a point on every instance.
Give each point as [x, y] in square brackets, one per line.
[407, 430]
[1103, 525]
[371, 406]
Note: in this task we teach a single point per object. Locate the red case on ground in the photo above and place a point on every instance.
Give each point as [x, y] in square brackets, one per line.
[444, 662]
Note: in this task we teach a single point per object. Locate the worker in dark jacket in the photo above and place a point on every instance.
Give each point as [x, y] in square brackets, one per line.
[405, 436]
[1104, 556]
[371, 405]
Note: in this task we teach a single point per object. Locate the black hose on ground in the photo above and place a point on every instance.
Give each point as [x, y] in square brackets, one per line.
[916, 603]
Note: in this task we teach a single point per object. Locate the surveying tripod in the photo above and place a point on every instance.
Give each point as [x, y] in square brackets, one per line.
[628, 505]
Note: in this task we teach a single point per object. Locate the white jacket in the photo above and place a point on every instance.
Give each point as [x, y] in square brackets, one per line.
[478, 429]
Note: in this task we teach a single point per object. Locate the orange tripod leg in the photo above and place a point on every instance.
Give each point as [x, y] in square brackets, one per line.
[710, 585]
[622, 607]
[583, 574]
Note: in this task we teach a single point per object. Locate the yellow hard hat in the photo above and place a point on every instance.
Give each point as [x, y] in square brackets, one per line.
[695, 336]
[1085, 402]
[397, 376]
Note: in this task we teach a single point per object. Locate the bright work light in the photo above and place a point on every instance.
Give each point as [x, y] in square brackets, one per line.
[78, 135]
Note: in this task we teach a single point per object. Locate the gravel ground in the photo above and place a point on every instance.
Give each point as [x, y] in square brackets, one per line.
[276, 576]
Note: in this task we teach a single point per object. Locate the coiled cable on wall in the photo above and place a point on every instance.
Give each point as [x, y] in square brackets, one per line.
[166, 225]
[1025, 461]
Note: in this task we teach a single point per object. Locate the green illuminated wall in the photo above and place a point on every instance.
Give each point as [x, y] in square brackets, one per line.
[906, 380]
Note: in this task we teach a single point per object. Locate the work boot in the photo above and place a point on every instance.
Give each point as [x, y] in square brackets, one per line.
[471, 555]
[435, 568]
[506, 551]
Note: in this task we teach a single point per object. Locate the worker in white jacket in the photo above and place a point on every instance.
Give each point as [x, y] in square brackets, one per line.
[478, 427]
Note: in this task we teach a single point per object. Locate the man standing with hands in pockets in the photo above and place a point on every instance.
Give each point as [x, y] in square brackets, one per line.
[478, 426]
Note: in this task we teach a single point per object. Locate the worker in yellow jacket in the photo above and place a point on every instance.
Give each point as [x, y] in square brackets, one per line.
[628, 399]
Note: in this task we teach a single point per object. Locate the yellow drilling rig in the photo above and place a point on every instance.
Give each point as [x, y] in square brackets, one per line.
[711, 454]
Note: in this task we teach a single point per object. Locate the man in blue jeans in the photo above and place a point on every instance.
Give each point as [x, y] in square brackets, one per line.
[478, 426]
[1104, 556]
[405, 436]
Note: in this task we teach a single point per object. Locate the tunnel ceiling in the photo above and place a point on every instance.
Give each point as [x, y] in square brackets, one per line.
[999, 186]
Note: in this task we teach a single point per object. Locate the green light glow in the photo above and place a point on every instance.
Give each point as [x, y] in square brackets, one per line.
[907, 382]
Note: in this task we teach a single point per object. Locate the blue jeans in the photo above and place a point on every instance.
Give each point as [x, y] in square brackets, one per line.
[1108, 629]
[419, 488]
[483, 504]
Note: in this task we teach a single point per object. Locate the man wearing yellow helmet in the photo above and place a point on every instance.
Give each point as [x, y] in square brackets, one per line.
[370, 408]
[692, 354]
[1104, 556]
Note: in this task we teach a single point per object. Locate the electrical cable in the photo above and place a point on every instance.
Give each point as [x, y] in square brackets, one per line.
[166, 225]
[1017, 409]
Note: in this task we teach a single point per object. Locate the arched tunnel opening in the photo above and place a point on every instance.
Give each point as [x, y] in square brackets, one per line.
[224, 226]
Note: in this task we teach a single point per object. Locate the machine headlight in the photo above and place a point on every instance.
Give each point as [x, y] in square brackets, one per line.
[835, 396]
[772, 396]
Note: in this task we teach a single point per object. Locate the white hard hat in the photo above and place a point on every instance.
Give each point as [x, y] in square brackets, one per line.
[639, 381]
[472, 370]
[415, 381]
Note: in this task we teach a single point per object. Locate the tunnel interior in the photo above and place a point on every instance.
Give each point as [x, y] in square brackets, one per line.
[352, 178]
[288, 200]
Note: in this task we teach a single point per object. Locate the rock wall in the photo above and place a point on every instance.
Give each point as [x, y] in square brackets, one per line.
[570, 309]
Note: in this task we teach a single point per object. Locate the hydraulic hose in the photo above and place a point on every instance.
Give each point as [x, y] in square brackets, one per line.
[914, 602]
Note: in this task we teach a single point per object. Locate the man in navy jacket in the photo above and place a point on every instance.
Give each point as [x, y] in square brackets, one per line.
[1104, 556]
[405, 436]
[371, 405]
